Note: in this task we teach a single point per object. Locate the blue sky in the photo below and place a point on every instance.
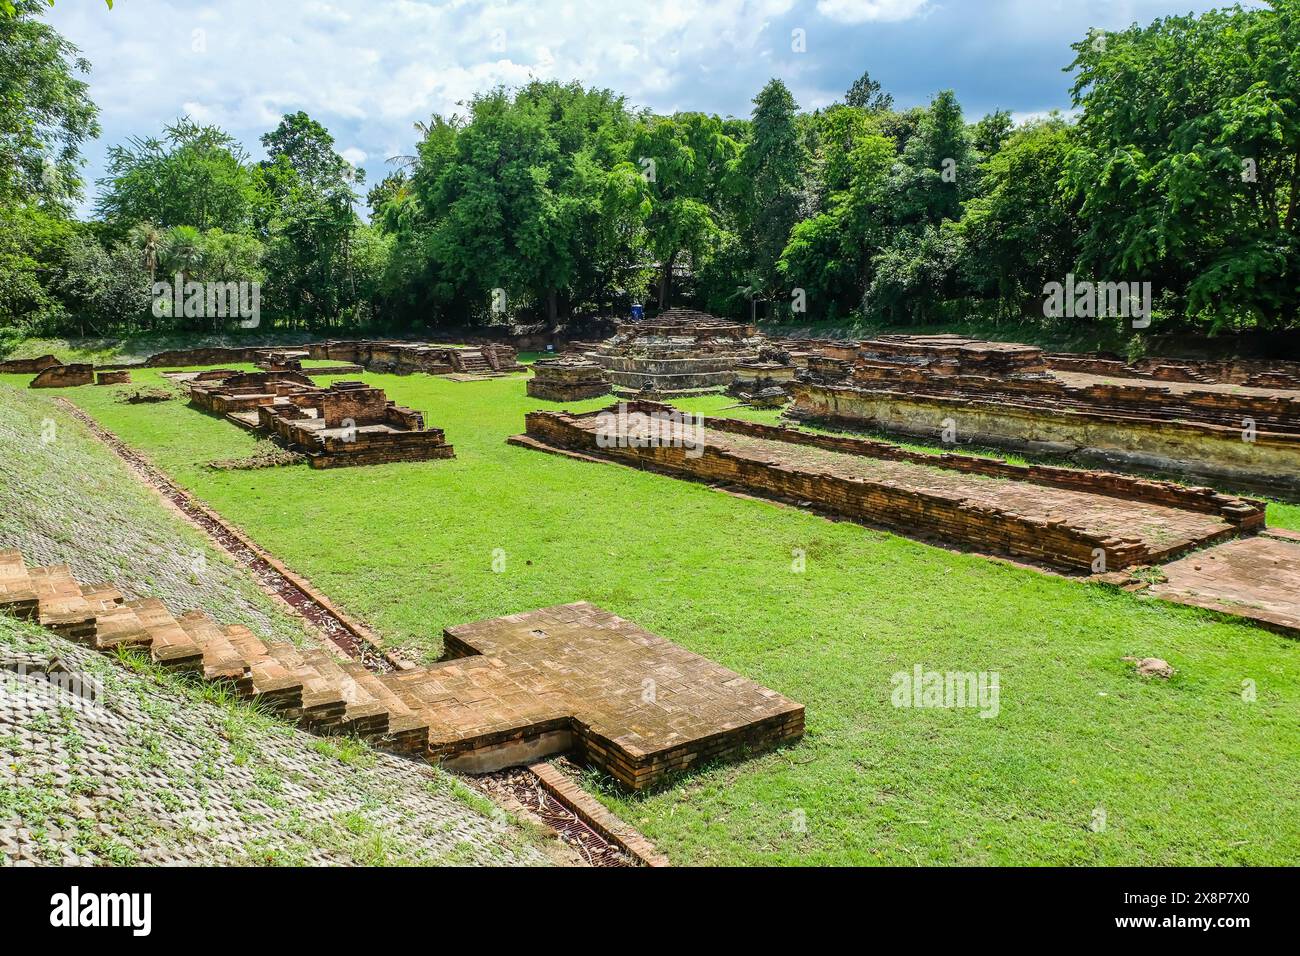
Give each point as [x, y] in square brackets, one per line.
[369, 69]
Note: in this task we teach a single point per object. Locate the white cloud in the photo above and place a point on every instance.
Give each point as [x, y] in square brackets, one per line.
[868, 11]
[353, 155]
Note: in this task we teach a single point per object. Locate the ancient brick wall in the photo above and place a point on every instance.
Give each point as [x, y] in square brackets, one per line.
[909, 509]
[361, 406]
[28, 366]
[64, 376]
[1199, 451]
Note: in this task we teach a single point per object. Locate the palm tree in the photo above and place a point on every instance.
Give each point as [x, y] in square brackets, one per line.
[147, 238]
[182, 250]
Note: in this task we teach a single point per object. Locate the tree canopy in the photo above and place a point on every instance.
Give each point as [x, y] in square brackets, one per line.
[1179, 166]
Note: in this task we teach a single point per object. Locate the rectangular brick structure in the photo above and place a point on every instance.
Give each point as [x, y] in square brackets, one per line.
[1058, 516]
[628, 701]
[348, 423]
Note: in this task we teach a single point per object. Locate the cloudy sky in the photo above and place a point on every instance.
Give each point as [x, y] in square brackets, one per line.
[369, 69]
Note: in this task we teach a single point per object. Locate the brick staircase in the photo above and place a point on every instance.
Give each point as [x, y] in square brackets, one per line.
[474, 362]
[323, 694]
[510, 690]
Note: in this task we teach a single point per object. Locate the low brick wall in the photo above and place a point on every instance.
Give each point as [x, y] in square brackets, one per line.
[64, 376]
[1201, 451]
[28, 366]
[1052, 542]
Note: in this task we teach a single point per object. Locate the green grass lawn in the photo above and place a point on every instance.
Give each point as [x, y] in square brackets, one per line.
[1183, 771]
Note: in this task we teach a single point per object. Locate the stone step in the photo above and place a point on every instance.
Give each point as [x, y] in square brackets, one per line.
[408, 731]
[119, 626]
[102, 596]
[269, 681]
[323, 706]
[171, 646]
[62, 606]
[220, 659]
[365, 716]
[17, 593]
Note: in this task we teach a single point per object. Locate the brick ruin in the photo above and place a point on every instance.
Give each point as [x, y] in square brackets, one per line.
[113, 378]
[567, 378]
[1018, 397]
[64, 376]
[28, 366]
[348, 423]
[1060, 517]
[766, 382]
[681, 352]
[1253, 373]
[401, 358]
[509, 691]
[290, 360]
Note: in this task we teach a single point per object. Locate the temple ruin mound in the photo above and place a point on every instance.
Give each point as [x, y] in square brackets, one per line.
[679, 352]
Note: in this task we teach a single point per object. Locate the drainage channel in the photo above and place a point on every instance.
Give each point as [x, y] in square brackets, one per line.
[525, 787]
[274, 579]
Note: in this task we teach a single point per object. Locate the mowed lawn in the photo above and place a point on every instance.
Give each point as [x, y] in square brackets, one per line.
[1085, 763]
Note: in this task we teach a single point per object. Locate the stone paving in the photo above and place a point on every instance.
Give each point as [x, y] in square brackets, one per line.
[133, 770]
[64, 496]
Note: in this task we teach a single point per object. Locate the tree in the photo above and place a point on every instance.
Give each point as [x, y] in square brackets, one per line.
[830, 254]
[770, 174]
[309, 149]
[392, 188]
[1022, 230]
[45, 110]
[991, 132]
[1187, 163]
[683, 159]
[195, 175]
[915, 271]
[865, 93]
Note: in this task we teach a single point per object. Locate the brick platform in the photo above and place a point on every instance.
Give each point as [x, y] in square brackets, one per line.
[1164, 419]
[514, 689]
[567, 378]
[1256, 578]
[634, 704]
[679, 352]
[1056, 516]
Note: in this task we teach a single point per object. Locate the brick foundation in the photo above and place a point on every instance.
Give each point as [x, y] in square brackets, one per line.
[1025, 512]
[64, 376]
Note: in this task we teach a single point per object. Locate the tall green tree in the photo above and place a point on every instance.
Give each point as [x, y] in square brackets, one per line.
[684, 159]
[866, 93]
[309, 199]
[1022, 231]
[45, 110]
[770, 175]
[1188, 160]
[195, 175]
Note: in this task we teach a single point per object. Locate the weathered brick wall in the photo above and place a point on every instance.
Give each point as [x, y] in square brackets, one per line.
[64, 376]
[1198, 450]
[911, 510]
[28, 366]
[1244, 513]
[362, 406]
